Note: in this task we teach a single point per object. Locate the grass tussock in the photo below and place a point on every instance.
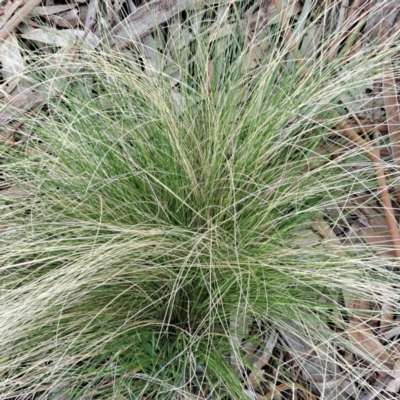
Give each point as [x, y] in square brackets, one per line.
[166, 214]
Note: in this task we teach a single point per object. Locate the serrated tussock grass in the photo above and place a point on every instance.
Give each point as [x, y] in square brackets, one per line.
[162, 223]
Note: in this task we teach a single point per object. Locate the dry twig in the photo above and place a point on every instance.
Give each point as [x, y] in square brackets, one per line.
[17, 18]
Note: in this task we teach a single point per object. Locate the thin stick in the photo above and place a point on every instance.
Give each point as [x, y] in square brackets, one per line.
[14, 21]
[374, 156]
[9, 11]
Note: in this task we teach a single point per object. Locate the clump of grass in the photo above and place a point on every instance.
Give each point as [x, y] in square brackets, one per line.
[163, 224]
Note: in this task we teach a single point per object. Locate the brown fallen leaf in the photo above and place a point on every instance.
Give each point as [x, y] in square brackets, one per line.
[65, 37]
[378, 237]
[354, 303]
[323, 229]
[90, 15]
[13, 193]
[146, 17]
[112, 9]
[51, 10]
[395, 331]
[372, 227]
[365, 340]
[12, 63]
[69, 19]
[22, 99]
[261, 359]
[362, 336]
[394, 385]
[386, 319]
[282, 387]
[392, 110]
